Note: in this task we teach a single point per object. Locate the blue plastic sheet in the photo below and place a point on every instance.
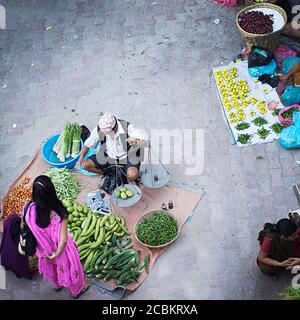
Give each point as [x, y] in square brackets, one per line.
[91, 152]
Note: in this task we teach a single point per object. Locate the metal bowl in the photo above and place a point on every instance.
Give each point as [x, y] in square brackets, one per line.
[125, 203]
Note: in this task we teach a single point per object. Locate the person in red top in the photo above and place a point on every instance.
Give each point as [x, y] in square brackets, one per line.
[279, 247]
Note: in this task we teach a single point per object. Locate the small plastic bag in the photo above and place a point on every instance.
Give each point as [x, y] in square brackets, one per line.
[288, 64]
[269, 69]
[291, 95]
[290, 136]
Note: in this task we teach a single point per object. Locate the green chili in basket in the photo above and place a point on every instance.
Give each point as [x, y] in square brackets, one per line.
[157, 229]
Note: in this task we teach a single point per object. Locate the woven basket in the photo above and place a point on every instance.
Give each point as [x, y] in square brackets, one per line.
[287, 121]
[33, 263]
[143, 217]
[251, 2]
[269, 40]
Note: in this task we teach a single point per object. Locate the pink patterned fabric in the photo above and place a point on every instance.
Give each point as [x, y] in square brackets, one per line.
[64, 271]
[282, 52]
[227, 3]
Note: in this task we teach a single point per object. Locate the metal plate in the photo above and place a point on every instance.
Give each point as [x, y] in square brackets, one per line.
[148, 177]
[137, 194]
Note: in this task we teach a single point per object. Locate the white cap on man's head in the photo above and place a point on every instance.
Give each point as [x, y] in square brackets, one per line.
[107, 122]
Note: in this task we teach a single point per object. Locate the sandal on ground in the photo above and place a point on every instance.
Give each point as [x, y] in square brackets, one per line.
[295, 217]
[86, 288]
[57, 289]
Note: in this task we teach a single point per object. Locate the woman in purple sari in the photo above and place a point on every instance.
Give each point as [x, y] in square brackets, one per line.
[11, 259]
[57, 252]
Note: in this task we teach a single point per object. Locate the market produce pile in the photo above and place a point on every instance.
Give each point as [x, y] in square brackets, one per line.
[102, 249]
[118, 260]
[256, 22]
[68, 143]
[251, 118]
[157, 229]
[17, 198]
[65, 183]
[288, 114]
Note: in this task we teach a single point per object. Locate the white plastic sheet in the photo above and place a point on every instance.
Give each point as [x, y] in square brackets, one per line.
[257, 92]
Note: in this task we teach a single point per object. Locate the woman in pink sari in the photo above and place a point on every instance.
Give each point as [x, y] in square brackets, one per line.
[57, 252]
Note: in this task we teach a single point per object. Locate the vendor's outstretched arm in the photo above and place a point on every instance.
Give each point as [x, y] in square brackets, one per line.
[83, 153]
[90, 142]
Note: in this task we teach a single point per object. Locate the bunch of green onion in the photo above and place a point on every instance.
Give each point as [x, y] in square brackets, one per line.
[68, 143]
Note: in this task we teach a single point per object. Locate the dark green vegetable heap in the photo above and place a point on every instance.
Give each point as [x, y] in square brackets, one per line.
[242, 126]
[277, 127]
[158, 229]
[263, 133]
[289, 113]
[259, 121]
[244, 138]
[275, 112]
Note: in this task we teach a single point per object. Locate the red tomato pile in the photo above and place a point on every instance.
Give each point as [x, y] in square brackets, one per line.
[17, 198]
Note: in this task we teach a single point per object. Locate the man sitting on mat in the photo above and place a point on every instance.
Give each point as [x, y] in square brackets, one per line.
[119, 142]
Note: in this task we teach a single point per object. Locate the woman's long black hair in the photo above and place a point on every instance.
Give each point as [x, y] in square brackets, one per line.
[284, 227]
[46, 200]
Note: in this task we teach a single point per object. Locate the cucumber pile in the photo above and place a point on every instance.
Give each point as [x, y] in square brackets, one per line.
[123, 193]
[91, 231]
[102, 248]
[118, 260]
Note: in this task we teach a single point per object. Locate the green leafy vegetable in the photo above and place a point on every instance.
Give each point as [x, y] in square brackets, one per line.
[277, 127]
[290, 293]
[259, 121]
[244, 138]
[289, 113]
[242, 126]
[263, 133]
[275, 112]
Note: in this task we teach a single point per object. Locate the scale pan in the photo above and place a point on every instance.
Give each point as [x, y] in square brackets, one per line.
[159, 178]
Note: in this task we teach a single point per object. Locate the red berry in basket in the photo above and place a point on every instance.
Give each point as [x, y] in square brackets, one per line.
[256, 22]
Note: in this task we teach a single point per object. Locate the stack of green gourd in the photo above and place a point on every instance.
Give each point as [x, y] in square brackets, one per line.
[101, 250]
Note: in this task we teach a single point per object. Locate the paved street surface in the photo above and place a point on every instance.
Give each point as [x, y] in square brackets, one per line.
[148, 62]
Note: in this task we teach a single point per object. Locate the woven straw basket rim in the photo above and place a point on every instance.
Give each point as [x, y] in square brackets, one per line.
[251, 2]
[262, 6]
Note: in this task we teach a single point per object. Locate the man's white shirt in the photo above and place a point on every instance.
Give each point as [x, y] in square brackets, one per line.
[114, 147]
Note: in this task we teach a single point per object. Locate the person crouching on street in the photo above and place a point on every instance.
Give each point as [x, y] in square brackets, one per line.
[279, 247]
[119, 140]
